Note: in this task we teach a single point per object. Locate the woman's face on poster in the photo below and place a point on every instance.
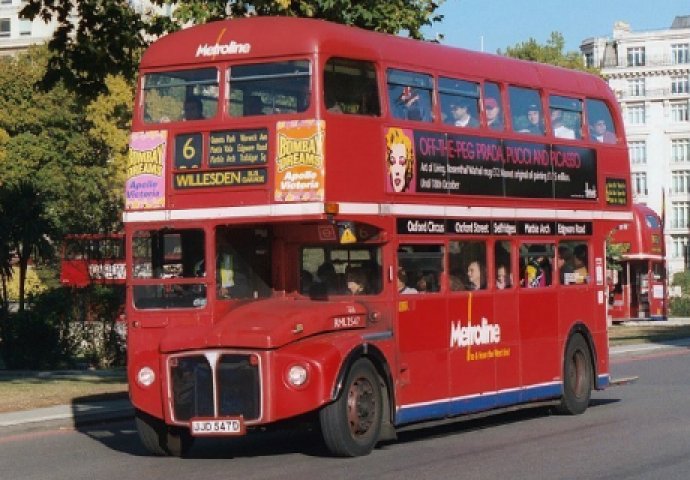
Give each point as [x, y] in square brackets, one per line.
[397, 163]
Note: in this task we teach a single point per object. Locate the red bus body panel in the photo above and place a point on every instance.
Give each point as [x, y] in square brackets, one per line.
[414, 340]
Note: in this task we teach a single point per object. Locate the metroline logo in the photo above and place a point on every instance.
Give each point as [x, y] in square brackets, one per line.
[230, 48]
[483, 334]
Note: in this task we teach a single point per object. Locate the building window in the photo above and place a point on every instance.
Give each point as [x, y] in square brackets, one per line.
[679, 214]
[636, 87]
[638, 152]
[589, 60]
[636, 57]
[680, 148]
[679, 85]
[680, 181]
[636, 114]
[679, 244]
[5, 2]
[679, 112]
[4, 27]
[25, 27]
[680, 53]
[639, 181]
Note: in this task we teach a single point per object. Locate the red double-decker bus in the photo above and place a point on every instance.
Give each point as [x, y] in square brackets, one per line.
[638, 290]
[372, 232]
[92, 258]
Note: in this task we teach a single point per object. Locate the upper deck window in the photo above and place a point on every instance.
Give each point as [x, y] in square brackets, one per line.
[409, 95]
[600, 122]
[459, 102]
[566, 117]
[525, 108]
[180, 95]
[350, 87]
[269, 88]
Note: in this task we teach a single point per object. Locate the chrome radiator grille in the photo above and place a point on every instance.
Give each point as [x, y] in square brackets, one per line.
[236, 380]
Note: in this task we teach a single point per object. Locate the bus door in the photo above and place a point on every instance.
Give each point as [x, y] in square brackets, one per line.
[538, 310]
[474, 331]
[657, 290]
[422, 332]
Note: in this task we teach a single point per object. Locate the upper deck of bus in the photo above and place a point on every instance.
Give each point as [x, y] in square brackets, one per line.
[351, 149]
[262, 38]
[643, 237]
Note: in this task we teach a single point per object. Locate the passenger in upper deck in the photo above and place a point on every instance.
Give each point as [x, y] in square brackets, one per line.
[193, 109]
[408, 106]
[534, 123]
[462, 116]
[493, 114]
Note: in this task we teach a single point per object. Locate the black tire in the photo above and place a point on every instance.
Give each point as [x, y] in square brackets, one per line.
[351, 425]
[160, 439]
[577, 377]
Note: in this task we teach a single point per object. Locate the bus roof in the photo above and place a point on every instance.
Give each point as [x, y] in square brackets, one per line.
[263, 37]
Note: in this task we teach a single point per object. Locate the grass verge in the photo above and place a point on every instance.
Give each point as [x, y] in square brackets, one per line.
[26, 393]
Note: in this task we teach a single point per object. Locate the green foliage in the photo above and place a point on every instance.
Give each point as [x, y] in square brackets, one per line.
[110, 36]
[552, 53]
[65, 327]
[680, 306]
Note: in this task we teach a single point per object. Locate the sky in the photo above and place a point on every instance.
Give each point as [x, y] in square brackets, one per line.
[498, 24]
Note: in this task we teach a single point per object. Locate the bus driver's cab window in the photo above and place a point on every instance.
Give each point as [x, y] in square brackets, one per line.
[350, 87]
[409, 95]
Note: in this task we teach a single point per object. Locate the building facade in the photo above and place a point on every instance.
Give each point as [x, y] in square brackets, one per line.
[649, 72]
[17, 34]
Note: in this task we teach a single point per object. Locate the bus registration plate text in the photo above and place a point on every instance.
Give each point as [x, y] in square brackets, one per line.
[215, 426]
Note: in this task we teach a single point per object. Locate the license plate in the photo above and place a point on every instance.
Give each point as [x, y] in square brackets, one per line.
[216, 426]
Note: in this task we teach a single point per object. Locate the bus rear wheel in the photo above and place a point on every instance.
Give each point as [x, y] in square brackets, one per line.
[577, 377]
[351, 425]
[160, 439]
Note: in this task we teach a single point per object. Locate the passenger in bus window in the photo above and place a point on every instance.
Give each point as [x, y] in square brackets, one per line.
[537, 271]
[400, 160]
[580, 263]
[601, 133]
[357, 281]
[253, 105]
[402, 283]
[193, 109]
[559, 128]
[565, 265]
[475, 276]
[503, 279]
[462, 116]
[534, 122]
[408, 105]
[493, 114]
[328, 277]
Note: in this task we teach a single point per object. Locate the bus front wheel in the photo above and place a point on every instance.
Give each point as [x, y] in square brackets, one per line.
[577, 377]
[159, 439]
[351, 425]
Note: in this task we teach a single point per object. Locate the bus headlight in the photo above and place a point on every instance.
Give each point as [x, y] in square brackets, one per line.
[297, 375]
[146, 376]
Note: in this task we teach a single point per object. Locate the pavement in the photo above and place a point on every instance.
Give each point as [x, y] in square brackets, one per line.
[84, 413]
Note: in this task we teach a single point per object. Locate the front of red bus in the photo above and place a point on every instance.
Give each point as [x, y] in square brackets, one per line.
[240, 299]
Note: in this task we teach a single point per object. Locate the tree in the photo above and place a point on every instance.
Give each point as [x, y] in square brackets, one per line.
[108, 37]
[552, 53]
[49, 141]
[28, 227]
